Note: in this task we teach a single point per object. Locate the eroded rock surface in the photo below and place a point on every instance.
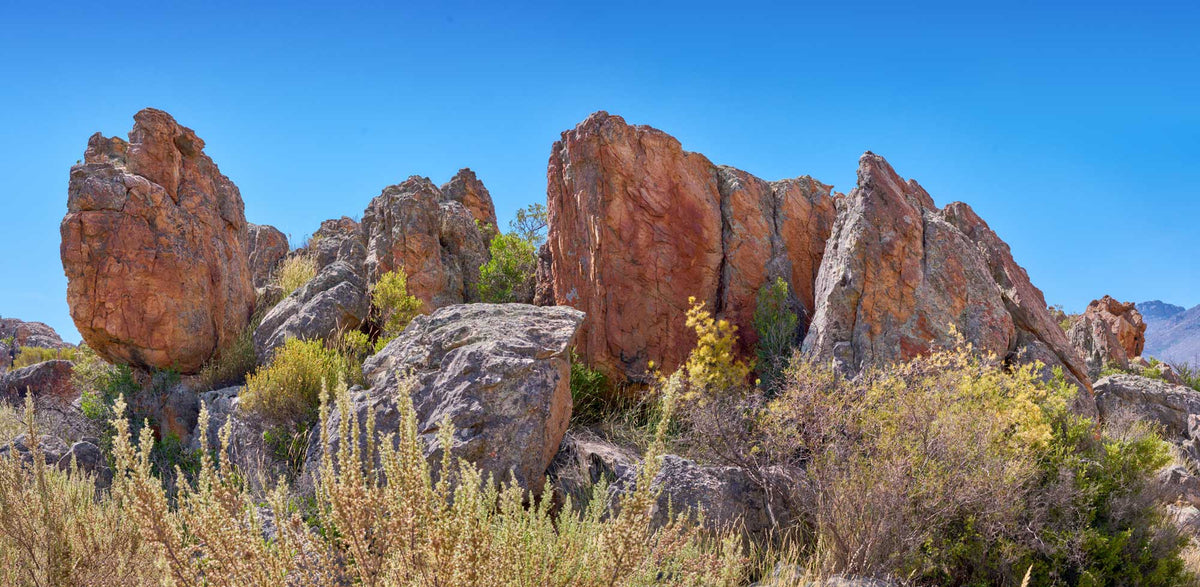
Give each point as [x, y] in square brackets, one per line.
[267, 247]
[154, 248]
[901, 277]
[1109, 333]
[638, 225]
[467, 190]
[414, 226]
[46, 380]
[499, 372]
[21, 333]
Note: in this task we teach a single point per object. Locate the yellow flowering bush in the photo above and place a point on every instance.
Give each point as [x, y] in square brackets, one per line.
[713, 365]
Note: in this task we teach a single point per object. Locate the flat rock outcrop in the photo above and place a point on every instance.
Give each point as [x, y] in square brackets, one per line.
[901, 277]
[267, 246]
[154, 248]
[416, 227]
[1108, 333]
[499, 372]
[638, 225]
[34, 334]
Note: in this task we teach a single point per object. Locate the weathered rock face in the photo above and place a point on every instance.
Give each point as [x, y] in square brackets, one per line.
[583, 460]
[638, 225]
[333, 301]
[501, 373]
[900, 277]
[1174, 408]
[154, 248]
[46, 380]
[267, 247]
[467, 190]
[30, 334]
[1108, 333]
[728, 496]
[414, 226]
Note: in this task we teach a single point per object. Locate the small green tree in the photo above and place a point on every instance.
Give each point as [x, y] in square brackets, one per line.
[509, 275]
[396, 307]
[530, 224]
[776, 325]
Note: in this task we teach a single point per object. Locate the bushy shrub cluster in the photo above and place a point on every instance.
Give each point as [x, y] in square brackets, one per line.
[459, 530]
[509, 275]
[713, 366]
[394, 306]
[286, 391]
[32, 355]
[777, 327]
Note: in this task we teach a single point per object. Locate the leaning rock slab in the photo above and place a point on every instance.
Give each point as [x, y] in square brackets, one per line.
[154, 248]
[499, 372]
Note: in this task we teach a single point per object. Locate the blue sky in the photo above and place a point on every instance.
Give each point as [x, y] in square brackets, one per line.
[1073, 129]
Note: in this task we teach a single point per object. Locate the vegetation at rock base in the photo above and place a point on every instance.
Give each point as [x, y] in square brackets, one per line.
[1189, 374]
[230, 365]
[509, 275]
[294, 271]
[457, 530]
[777, 327]
[713, 366]
[32, 355]
[286, 391]
[393, 305]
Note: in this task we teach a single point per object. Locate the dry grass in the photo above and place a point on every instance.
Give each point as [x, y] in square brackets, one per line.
[32, 355]
[415, 531]
[294, 272]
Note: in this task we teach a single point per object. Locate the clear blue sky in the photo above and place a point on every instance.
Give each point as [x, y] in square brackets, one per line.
[1073, 130]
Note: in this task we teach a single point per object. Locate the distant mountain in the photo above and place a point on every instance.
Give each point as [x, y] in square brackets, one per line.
[1172, 332]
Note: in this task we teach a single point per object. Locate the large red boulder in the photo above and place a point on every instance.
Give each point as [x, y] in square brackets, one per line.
[1108, 334]
[154, 248]
[638, 226]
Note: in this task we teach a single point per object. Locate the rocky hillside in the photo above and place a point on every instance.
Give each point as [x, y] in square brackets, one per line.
[930, 418]
[1172, 332]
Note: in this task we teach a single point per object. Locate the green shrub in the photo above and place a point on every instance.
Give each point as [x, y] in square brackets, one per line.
[230, 365]
[393, 304]
[32, 355]
[286, 391]
[509, 275]
[777, 327]
[294, 272]
[591, 393]
[1190, 375]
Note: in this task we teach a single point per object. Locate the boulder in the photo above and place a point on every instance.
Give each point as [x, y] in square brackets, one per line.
[53, 449]
[467, 190]
[413, 226]
[8, 353]
[499, 372]
[172, 407]
[728, 496]
[1108, 333]
[333, 301]
[19, 333]
[247, 451]
[583, 460]
[46, 380]
[638, 225]
[154, 246]
[901, 277]
[267, 247]
[1175, 409]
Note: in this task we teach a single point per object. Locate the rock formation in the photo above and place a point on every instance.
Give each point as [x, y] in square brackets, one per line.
[500, 373]
[415, 226]
[901, 277]
[154, 248]
[467, 190]
[638, 225]
[45, 380]
[1109, 333]
[336, 299]
[267, 246]
[33, 334]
